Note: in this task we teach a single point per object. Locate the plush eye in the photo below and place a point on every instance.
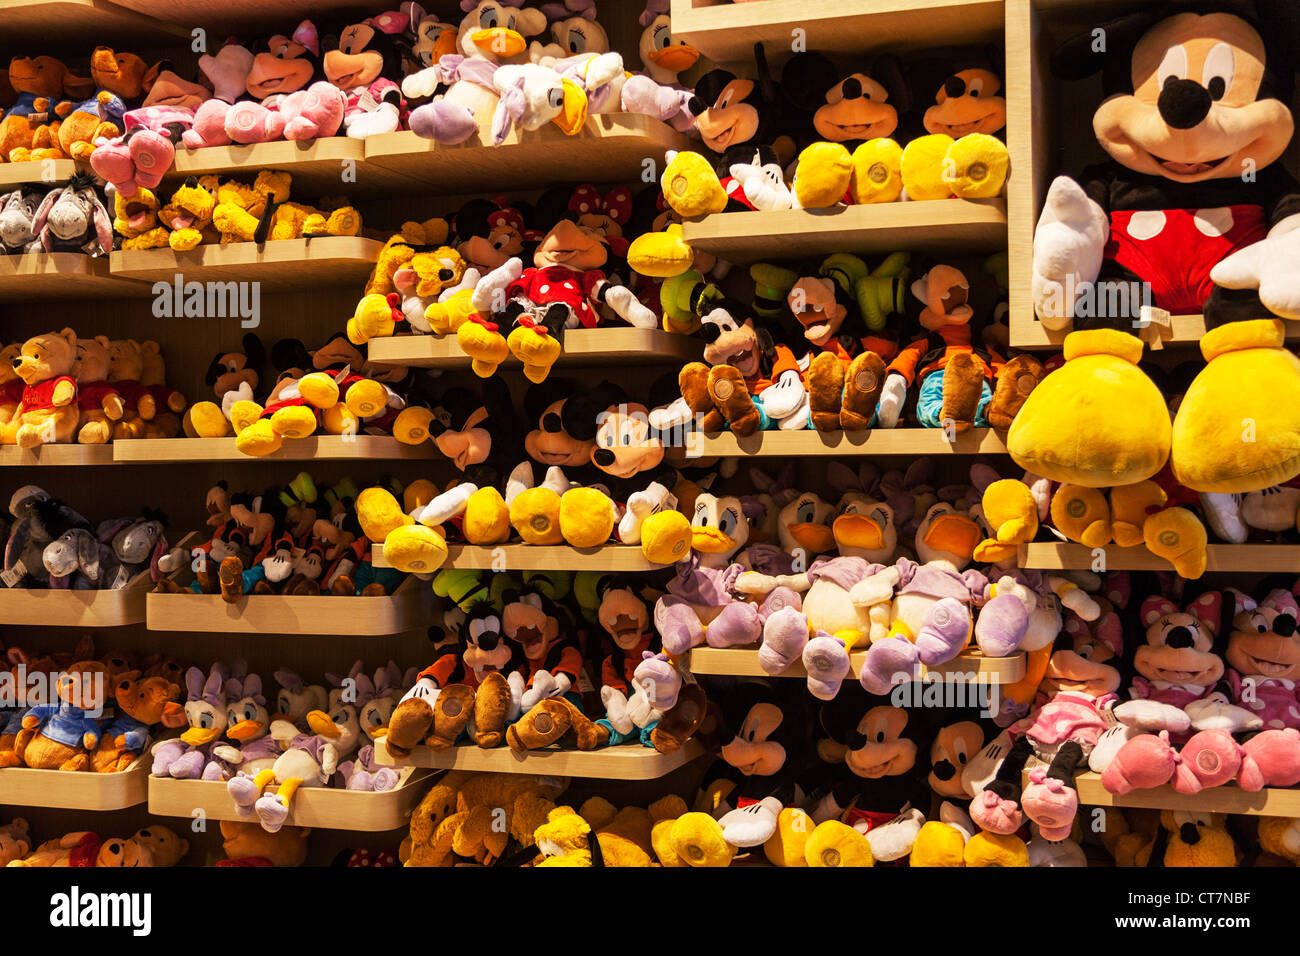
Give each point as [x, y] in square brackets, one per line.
[339, 717]
[975, 88]
[477, 627]
[1086, 651]
[728, 522]
[250, 711]
[701, 515]
[663, 37]
[555, 97]
[806, 512]
[1220, 67]
[284, 703]
[577, 41]
[232, 716]
[488, 18]
[1173, 66]
[1260, 622]
[207, 721]
[959, 754]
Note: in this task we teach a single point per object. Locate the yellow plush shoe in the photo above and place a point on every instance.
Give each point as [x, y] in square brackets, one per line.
[294, 421]
[661, 839]
[1238, 427]
[339, 420]
[366, 398]
[259, 439]
[411, 426]
[1082, 515]
[207, 421]
[536, 348]
[487, 519]
[417, 494]
[319, 389]
[976, 166]
[697, 840]
[661, 255]
[484, 344]
[379, 513]
[447, 317]
[787, 846]
[243, 414]
[1011, 511]
[415, 548]
[691, 187]
[373, 318]
[923, 170]
[877, 172]
[823, 175]
[837, 844]
[535, 514]
[996, 849]
[586, 517]
[1129, 507]
[666, 537]
[1178, 536]
[938, 845]
[1098, 420]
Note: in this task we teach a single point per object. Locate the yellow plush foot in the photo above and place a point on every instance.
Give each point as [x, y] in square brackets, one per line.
[379, 513]
[666, 537]
[995, 849]
[536, 348]
[415, 548]
[366, 398]
[259, 439]
[1238, 427]
[319, 389]
[697, 840]
[586, 517]
[344, 222]
[1082, 515]
[264, 779]
[1178, 536]
[243, 414]
[661, 838]
[1129, 507]
[691, 187]
[411, 426]
[823, 175]
[877, 172]
[661, 255]
[294, 421]
[837, 844]
[339, 420]
[487, 518]
[1011, 511]
[977, 166]
[1098, 420]
[485, 346]
[535, 514]
[786, 847]
[183, 240]
[923, 170]
[371, 319]
[938, 844]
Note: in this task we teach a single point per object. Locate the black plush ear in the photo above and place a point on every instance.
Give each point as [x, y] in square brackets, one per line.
[254, 352]
[1106, 47]
[496, 399]
[805, 78]
[290, 353]
[711, 84]
[542, 396]
[214, 371]
[472, 218]
[581, 413]
[887, 70]
[552, 206]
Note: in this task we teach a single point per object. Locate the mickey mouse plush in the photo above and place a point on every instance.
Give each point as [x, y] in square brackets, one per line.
[1194, 208]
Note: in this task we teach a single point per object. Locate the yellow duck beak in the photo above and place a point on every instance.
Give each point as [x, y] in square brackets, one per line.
[499, 41]
[858, 531]
[573, 115]
[711, 540]
[816, 538]
[245, 729]
[198, 736]
[676, 58]
[954, 534]
[320, 723]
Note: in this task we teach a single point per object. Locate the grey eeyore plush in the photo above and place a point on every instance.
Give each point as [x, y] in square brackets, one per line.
[73, 218]
[17, 216]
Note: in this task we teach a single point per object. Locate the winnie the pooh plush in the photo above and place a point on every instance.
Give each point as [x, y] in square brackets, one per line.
[119, 78]
[30, 127]
[99, 402]
[15, 842]
[61, 736]
[48, 410]
[166, 848]
[247, 844]
[125, 366]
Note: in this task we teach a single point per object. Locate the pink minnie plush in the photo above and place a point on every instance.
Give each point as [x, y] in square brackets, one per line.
[291, 98]
[227, 71]
[1264, 659]
[361, 62]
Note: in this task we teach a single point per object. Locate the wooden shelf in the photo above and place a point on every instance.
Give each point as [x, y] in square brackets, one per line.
[1269, 802]
[409, 608]
[624, 762]
[316, 165]
[1187, 330]
[240, 16]
[315, 448]
[879, 441]
[280, 266]
[532, 557]
[62, 275]
[24, 787]
[325, 808]
[620, 345]
[1227, 558]
[32, 26]
[726, 32]
[53, 607]
[611, 148]
[54, 455]
[947, 226]
[972, 666]
[15, 174]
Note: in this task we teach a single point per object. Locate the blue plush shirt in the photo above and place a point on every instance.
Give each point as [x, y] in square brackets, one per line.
[66, 724]
[136, 733]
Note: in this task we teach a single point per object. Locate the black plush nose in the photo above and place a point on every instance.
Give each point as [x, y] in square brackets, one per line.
[603, 457]
[551, 423]
[696, 106]
[852, 88]
[18, 363]
[944, 770]
[1179, 637]
[487, 641]
[954, 86]
[1190, 834]
[1284, 625]
[1184, 104]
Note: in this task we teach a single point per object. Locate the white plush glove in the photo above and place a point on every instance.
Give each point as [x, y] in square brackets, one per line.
[516, 682]
[492, 286]
[892, 399]
[1152, 716]
[421, 84]
[784, 398]
[1069, 245]
[1268, 266]
[616, 709]
[447, 505]
[424, 689]
[629, 308]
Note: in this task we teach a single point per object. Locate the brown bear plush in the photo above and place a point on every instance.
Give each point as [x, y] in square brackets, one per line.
[143, 703]
[61, 736]
[247, 844]
[99, 402]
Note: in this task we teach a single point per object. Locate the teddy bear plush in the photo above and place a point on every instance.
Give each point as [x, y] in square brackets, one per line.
[247, 844]
[15, 841]
[99, 402]
[48, 410]
[119, 82]
[143, 703]
[30, 127]
[63, 735]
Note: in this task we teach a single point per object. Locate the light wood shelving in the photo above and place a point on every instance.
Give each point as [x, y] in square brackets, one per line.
[62, 275]
[408, 608]
[971, 667]
[1227, 558]
[41, 172]
[1269, 802]
[533, 557]
[279, 265]
[317, 166]
[24, 787]
[941, 226]
[879, 441]
[621, 345]
[326, 808]
[623, 762]
[56, 455]
[54, 607]
[314, 448]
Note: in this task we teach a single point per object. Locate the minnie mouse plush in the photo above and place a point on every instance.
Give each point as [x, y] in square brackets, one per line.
[1194, 209]
[361, 60]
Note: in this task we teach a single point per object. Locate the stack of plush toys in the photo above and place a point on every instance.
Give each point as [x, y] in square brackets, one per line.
[58, 388]
[297, 539]
[49, 544]
[66, 218]
[153, 845]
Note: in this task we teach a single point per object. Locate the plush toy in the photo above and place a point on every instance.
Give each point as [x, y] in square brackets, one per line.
[247, 844]
[187, 757]
[119, 78]
[73, 219]
[30, 127]
[15, 842]
[188, 213]
[363, 61]
[226, 72]
[658, 91]
[17, 217]
[47, 412]
[233, 376]
[143, 703]
[99, 403]
[63, 735]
